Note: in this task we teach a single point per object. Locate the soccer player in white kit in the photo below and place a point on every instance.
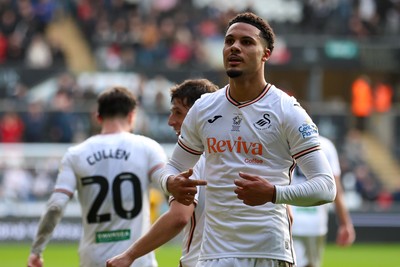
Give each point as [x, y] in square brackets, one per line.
[310, 224]
[112, 173]
[253, 135]
[189, 218]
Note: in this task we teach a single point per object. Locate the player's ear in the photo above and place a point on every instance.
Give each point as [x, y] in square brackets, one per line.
[131, 117]
[267, 54]
[99, 118]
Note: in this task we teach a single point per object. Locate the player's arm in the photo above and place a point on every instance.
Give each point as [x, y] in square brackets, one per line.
[63, 192]
[48, 221]
[164, 229]
[345, 233]
[304, 144]
[320, 187]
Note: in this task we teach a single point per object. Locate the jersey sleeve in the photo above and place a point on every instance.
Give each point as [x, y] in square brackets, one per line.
[66, 179]
[157, 159]
[319, 188]
[49, 220]
[301, 132]
[305, 147]
[332, 155]
[189, 139]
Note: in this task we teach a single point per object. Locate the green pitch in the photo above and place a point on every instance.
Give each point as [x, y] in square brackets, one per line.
[65, 255]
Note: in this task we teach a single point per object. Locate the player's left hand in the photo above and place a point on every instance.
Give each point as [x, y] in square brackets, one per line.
[35, 260]
[345, 235]
[253, 189]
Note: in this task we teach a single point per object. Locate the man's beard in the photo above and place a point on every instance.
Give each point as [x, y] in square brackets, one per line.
[234, 73]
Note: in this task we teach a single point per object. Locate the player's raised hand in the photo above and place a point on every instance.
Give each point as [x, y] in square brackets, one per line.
[253, 189]
[35, 260]
[182, 188]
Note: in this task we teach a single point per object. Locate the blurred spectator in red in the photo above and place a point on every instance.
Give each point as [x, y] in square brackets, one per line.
[383, 95]
[181, 50]
[11, 128]
[362, 101]
[385, 199]
[3, 48]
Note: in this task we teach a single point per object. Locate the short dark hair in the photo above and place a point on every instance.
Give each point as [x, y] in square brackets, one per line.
[115, 102]
[191, 90]
[250, 18]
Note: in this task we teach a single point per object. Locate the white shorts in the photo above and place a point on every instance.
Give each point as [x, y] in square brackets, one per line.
[309, 250]
[243, 262]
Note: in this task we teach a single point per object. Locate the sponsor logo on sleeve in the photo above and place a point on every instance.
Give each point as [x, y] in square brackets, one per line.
[308, 130]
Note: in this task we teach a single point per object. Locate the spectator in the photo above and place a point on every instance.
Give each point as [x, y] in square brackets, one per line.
[3, 48]
[17, 181]
[35, 123]
[367, 185]
[385, 199]
[38, 54]
[42, 185]
[44, 12]
[362, 101]
[8, 21]
[11, 127]
[383, 95]
[60, 125]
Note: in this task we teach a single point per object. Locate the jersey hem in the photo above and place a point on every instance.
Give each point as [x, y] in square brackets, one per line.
[247, 255]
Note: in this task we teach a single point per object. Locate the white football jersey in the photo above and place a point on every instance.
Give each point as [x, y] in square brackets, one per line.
[261, 137]
[193, 231]
[313, 221]
[112, 174]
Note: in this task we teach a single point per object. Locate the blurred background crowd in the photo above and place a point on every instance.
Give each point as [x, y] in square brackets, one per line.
[56, 56]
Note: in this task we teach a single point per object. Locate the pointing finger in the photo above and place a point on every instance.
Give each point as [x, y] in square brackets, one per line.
[194, 182]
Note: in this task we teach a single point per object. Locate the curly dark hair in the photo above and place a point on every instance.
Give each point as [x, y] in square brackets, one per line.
[250, 18]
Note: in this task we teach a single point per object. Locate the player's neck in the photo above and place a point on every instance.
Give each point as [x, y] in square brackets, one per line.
[114, 126]
[245, 90]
